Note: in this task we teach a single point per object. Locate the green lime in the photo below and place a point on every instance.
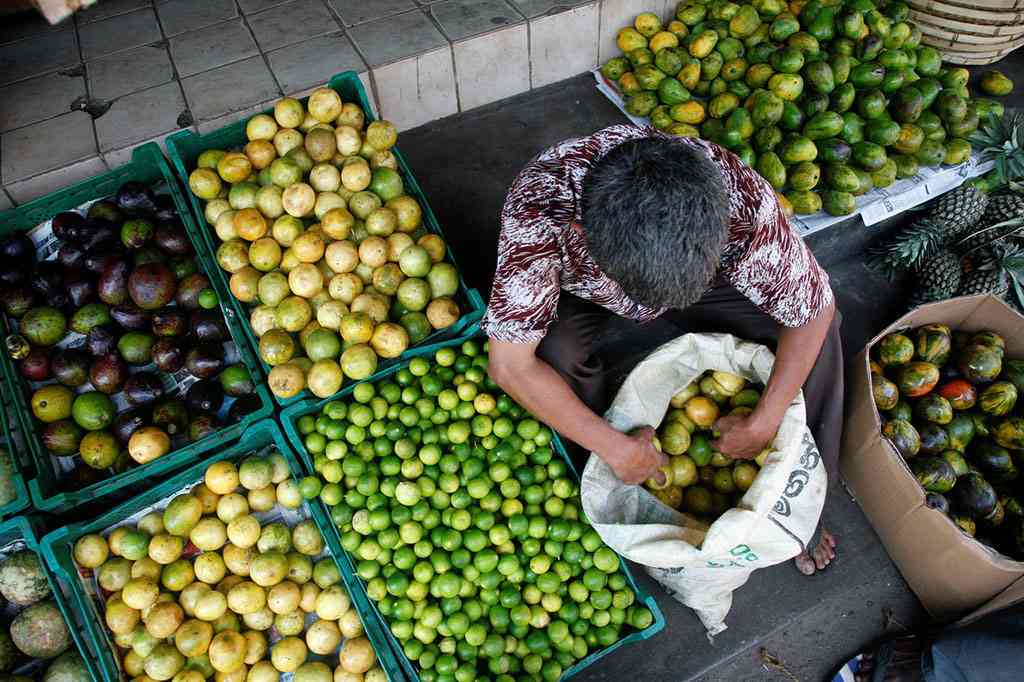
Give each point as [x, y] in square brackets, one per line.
[208, 299]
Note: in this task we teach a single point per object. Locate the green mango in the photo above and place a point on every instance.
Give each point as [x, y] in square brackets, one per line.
[907, 104]
[701, 88]
[819, 76]
[864, 178]
[909, 140]
[897, 11]
[929, 61]
[914, 40]
[766, 109]
[805, 42]
[730, 48]
[769, 8]
[788, 86]
[734, 69]
[844, 46]
[804, 176]
[867, 75]
[843, 98]
[958, 150]
[809, 11]
[893, 81]
[823, 125]
[671, 91]
[660, 118]
[989, 107]
[744, 22]
[717, 87]
[649, 76]
[722, 105]
[724, 11]
[710, 66]
[886, 175]
[881, 131]
[894, 59]
[996, 83]
[823, 26]
[833, 150]
[841, 65]
[740, 89]
[761, 54]
[746, 154]
[931, 153]
[670, 60]
[878, 23]
[796, 149]
[841, 177]
[770, 166]
[950, 107]
[642, 103]
[740, 121]
[703, 43]
[815, 103]
[758, 37]
[783, 27]
[767, 138]
[906, 165]
[911, 56]
[956, 78]
[868, 155]
[757, 75]
[853, 128]
[792, 117]
[838, 202]
[931, 124]
[788, 60]
[869, 48]
[871, 104]
[712, 129]
[899, 34]
[851, 24]
[966, 126]
[804, 203]
[615, 67]
[691, 15]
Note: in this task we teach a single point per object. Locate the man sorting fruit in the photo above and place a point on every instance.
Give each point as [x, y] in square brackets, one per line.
[633, 222]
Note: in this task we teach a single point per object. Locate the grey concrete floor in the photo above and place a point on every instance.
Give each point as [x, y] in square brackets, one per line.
[465, 163]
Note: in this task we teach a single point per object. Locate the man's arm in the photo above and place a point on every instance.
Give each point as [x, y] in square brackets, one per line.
[797, 351]
[539, 388]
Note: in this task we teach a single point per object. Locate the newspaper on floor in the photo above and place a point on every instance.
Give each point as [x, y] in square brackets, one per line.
[872, 207]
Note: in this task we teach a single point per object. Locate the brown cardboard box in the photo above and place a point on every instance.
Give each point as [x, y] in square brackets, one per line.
[951, 573]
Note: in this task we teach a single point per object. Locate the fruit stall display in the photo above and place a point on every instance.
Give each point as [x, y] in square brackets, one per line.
[333, 256]
[948, 402]
[119, 358]
[825, 99]
[699, 479]
[221, 571]
[462, 515]
[14, 466]
[35, 639]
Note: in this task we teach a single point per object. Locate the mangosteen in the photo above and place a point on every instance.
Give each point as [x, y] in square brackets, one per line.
[98, 231]
[47, 279]
[108, 373]
[36, 365]
[135, 198]
[168, 355]
[247, 404]
[13, 274]
[209, 325]
[68, 226]
[62, 437]
[18, 248]
[201, 426]
[113, 283]
[71, 256]
[101, 340]
[130, 316]
[169, 413]
[143, 388]
[17, 300]
[70, 367]
[165, 208]
[205, 360]
[106, 210]
[127, 422]
[172, 238]
[99, 257]
[205, 395]
[148, 254]
[937, 501]
[151, 286]
[81, 288]
[170, 322]
[189, 290]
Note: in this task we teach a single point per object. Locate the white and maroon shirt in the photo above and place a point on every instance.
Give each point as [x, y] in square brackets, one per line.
[541, 253]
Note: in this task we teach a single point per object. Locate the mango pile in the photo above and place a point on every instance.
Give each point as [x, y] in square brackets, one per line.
[826, 99]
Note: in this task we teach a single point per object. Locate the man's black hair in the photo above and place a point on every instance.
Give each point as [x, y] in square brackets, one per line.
[655, 215]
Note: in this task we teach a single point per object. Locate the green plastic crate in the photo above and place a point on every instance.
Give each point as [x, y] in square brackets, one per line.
[183, 148]
[291, 416]
[91, 633]
[147, 165]
[12, 440]
[28, 529]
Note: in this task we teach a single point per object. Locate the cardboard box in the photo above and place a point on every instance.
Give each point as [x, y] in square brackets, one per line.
[950, 572]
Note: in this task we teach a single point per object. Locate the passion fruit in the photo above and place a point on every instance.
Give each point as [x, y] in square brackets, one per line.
[358, 362]
[149, 443]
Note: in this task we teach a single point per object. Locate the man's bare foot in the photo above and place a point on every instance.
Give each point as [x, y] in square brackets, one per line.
[819, 557]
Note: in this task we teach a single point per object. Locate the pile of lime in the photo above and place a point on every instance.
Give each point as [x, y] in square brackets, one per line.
[215, 584]
[466, 525]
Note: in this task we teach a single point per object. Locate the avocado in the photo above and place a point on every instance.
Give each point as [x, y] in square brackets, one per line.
[209, 325]
[112, 287]
[70, 367]
[172, 238]
[205, 360]
[135, 198]
[89, 316]
[136, 347]
[170, 322]
[130, 316]
[22, 579]
[151, 285]
[69, 667]
[103, 209]
[143, 388]
[108, 373]
[189, 290]
[168, 355]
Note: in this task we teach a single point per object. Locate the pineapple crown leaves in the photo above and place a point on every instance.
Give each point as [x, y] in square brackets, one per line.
[907, 250]
[999, 139]
[994, 229]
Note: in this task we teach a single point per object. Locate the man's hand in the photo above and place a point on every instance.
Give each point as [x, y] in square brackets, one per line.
[638, 459]
[743, 437]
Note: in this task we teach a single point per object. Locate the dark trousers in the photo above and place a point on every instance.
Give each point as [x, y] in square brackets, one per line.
[568, 348]
[988, 650]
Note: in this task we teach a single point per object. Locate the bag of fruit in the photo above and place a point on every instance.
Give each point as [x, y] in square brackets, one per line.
[701, 564]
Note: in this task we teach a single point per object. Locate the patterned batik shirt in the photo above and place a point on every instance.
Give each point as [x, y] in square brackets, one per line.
[541, 253]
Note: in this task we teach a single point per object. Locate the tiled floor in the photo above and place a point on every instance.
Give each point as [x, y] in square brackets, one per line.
[78, 97]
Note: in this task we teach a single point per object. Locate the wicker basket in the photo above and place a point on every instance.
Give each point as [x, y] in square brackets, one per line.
[970, 33]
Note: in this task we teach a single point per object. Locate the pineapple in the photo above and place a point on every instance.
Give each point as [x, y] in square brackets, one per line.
[1003, 207]
[936, 279]
[985, 281]
[959, 209]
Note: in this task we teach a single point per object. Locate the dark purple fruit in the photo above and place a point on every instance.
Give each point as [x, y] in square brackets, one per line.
[100, 341]
[143, 388]
[172, 238]
[71, 256]
[205, 360]
[18, 248]
[82, 476]
[98, 231]
[130, 316]
[189, 290]
[165, 208]
[68, 226]
[12, 274]
[135, 198]
[62, 437]
[106, 210]
[201, 426]
[99, 257]
[113, 284]
[152, 286]
[47, 279]
[127, 422]
[170, 322]
[205, 395]
[36, 365]
[247, 404]
[108, 373]
[81, 288]
[209, 325]
[170, 415]
[148, 254]
[70, 367]
[168, 355]
[18, 300]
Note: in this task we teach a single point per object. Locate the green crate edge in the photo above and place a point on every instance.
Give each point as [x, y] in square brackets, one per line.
[57, 546]
[292, 414]
[22, 499]
[29, 529]
[146, 159]
[184, 143]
